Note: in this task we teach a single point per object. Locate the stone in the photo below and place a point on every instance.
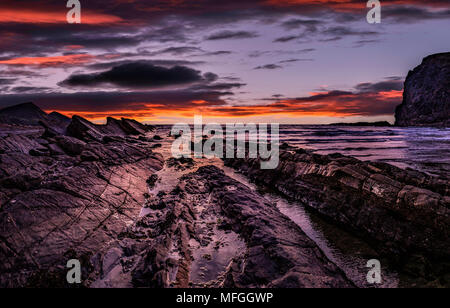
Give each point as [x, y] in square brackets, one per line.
[70, 145]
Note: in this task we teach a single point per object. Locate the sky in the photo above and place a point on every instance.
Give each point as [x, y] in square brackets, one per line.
[258, 61]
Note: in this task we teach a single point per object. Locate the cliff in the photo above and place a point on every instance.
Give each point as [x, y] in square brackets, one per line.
[426, 98]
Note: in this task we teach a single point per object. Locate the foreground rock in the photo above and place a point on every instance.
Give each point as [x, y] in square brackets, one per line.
[406, 213]
[64, 198]
[214, 231]
[426, 98]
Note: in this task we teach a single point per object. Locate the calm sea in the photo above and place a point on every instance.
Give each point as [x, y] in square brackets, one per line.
[424, 149]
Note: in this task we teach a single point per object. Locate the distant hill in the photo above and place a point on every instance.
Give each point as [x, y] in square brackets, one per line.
[378, 124]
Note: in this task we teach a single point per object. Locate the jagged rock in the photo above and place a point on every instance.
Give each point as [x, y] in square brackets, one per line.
[403, 211]
[114, 127]
[87, 131]
[39, 152]
[136, 128]
[19, 143]
[59, 118]
[84, 130]
[23, 114]
[108, 139]
[55, 149]
[274, 248]
[277, 249]
[55, 208]
[70, 145]
[426, 98]
[88, 156]
[22, 181]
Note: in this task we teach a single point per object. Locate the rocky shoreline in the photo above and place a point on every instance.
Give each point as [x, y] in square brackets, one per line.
[70, 189]
[404, 213]
[62, 197]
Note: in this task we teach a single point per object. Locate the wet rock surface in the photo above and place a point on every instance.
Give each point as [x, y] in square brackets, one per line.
[63, 198]
[404, 212]
[214, 231]
[426, 98]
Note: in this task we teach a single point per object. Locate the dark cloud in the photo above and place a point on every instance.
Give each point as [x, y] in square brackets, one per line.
[285, 39]
[295, 60]
[178, 50]
[268, 67]
[30, 89]
[19, 73]
[6, 81]
[218, 86]
[361, 43]
[324, 33]
[346, 31]
[383, 86]
[116, 101]
[139, 75]
[412, 14]
[217, 53]
[226, 35]
[274, 66]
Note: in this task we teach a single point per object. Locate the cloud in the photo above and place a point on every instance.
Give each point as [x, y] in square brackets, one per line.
[285, 39]
[30, 89]
[139, 75]
[226, 35]
[36, 16]
[332, 104]
[140, 105]
[295, 60]
[268, 67]
[367, 99]
[217, 53]
[53, 61]
[6, 81]
[178, 50]
[383, 86]
[412, 14]
[345, 31]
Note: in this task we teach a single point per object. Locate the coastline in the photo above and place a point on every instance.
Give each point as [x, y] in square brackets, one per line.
[183, 227]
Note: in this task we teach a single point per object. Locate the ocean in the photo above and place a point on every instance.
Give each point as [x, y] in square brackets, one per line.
[423, 149]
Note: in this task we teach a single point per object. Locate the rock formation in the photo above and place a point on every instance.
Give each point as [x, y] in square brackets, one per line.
[214, 231]
[404, 212]
[23, 114]
[63, 197]
[426, 98]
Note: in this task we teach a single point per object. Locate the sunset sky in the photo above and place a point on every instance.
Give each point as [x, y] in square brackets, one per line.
[285, 61]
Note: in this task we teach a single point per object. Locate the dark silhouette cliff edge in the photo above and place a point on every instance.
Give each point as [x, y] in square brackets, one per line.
[426, 97]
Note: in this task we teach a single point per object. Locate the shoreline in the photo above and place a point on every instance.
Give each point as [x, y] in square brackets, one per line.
[185, 230]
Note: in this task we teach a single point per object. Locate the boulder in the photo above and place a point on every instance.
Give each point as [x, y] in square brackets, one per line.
[70, 145]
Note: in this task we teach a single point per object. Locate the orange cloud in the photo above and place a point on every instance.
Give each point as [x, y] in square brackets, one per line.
[56, 61]
[322, 104]
[22, 15]
[351, 5]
